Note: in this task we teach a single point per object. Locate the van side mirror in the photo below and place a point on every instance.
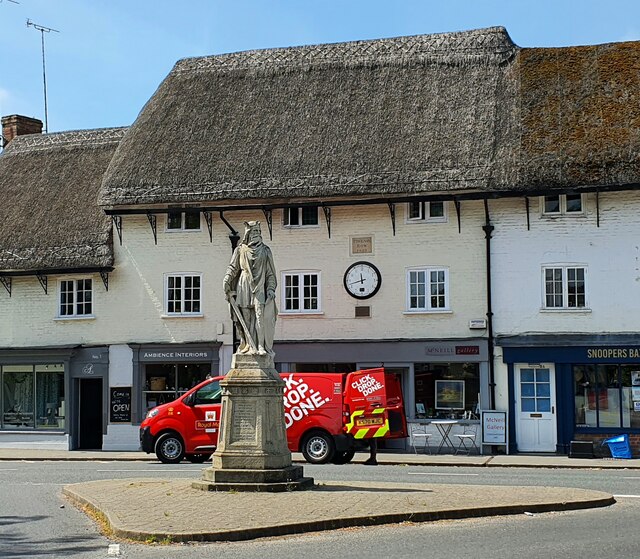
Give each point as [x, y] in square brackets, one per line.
[190, 400]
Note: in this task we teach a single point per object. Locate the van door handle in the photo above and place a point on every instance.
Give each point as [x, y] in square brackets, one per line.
[553, 409]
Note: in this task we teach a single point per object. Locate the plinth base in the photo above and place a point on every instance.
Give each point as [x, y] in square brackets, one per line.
[276, 480]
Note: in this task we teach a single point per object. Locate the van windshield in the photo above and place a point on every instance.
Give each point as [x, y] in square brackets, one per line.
[209, 394]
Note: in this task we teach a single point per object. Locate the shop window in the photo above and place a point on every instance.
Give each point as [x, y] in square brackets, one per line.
[183, 221]
[426, 211]
[300, 216]
[565, 287]
[447, 389]
[183, 294]
[562, 204]
[164, 382]
[76, 298]
[301, 292]
[32, 397]
[427, 290]
[606, 396]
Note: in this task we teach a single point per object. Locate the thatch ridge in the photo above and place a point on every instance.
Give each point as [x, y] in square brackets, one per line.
[492, 43]
[50, 218]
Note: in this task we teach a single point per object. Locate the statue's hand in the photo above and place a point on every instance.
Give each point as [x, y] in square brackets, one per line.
[271, 294]
[228, 294]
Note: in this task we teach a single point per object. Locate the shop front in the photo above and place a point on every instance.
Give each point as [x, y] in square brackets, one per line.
[572, 388]
[164, 372]
[440, 379]
[52, 398]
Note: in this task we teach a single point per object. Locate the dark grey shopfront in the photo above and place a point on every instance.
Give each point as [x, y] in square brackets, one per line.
[162, 372]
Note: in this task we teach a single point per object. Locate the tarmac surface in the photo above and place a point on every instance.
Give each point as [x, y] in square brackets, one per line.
[164, 510]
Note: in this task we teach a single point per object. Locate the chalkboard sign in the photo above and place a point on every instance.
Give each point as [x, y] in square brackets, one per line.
[120, 405]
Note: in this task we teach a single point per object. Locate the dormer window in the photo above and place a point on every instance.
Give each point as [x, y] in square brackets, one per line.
[179, 220]
[300, 216]
[426, 211]
[562, 204]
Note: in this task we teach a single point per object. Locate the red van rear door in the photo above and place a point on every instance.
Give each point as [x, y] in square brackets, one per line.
[366, 397]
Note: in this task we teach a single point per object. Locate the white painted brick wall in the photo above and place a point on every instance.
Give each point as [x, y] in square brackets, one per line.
[133, 308]
[611, 253]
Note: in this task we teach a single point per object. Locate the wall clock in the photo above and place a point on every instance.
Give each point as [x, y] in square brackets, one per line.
[362, 280]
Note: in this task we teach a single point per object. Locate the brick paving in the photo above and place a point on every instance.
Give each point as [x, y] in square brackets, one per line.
[162, 509]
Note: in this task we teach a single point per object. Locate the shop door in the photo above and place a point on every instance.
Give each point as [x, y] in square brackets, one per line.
[90, 414]
[535, 407]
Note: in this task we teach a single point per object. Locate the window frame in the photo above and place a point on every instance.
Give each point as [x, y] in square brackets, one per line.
[562, 205]
[428, 308]
[182, 288]
[183, 221]
[565, 288]
[286, 212]
[425, 212]
[283, 292]
[75, 315]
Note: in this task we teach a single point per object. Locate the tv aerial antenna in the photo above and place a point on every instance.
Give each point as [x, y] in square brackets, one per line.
[42, 30]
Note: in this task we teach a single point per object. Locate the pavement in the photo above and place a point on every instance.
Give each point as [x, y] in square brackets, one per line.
[169, 510]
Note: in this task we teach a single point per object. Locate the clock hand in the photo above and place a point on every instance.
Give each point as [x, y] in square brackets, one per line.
[361, 280]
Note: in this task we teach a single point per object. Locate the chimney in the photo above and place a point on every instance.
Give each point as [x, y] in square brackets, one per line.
[17, 125]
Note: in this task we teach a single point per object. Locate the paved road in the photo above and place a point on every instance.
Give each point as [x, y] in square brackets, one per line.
[33, 524]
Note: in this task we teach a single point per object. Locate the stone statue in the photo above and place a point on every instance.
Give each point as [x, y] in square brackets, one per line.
[250, 287]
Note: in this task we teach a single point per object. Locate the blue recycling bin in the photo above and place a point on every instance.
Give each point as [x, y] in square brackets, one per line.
[619, 446]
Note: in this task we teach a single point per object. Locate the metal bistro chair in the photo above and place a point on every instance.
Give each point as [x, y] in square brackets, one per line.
[468, 435]
[419, 432]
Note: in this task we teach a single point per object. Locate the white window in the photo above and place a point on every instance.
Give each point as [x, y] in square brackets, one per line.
[183, 294]
[300, 216]
[301, 292]
[183, 221]
[428, 289]
[426, 211]
[565, 287]
[76, 298]
[562, 204]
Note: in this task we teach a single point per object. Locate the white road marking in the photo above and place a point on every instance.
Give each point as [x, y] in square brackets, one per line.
[158, 471]
[637, 477]
[627, 496]
[437, 474]
[8, 469]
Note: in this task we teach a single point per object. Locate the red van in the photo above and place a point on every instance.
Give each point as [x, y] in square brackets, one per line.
[326, 415]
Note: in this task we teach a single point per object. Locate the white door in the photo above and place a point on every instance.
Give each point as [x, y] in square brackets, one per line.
[536, 408]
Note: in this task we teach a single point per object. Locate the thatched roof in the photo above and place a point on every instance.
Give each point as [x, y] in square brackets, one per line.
[386, 116]
[49, 216]
[580, 115]
[454, 113]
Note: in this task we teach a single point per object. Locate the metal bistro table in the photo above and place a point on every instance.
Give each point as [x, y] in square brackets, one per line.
[444, 427]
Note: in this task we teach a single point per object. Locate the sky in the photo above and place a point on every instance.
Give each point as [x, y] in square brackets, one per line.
[109, 56]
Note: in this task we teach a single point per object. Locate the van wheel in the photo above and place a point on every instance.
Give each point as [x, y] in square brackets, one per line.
[343, 457]
[169, 448]
[198, 458]
[318, 448]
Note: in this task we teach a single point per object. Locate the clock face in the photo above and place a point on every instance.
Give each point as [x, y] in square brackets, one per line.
[362, 280]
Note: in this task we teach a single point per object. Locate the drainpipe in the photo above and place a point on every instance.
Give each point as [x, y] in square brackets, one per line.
[234, 238]
[488, 229]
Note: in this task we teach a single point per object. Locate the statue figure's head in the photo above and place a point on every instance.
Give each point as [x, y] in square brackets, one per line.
[252, 233]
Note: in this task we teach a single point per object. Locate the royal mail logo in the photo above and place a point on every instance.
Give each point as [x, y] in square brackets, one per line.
[200, 425]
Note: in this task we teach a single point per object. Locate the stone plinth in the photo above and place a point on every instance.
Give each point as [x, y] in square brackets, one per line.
[252, 453]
